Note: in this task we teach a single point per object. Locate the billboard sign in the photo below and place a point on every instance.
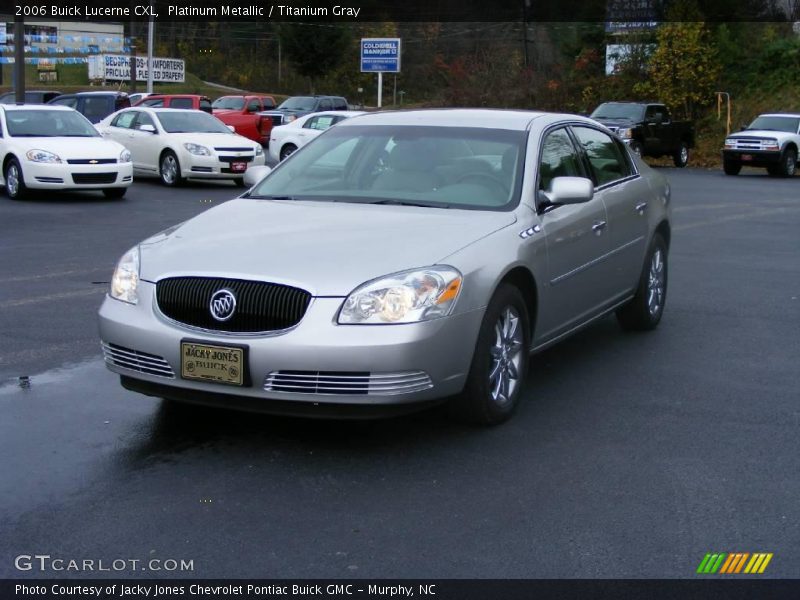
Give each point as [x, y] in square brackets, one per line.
[380, 55]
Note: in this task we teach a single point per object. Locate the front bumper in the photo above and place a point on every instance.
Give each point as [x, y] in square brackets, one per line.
[211, 167]
[49, 176]
[755, 158]
[441, 349]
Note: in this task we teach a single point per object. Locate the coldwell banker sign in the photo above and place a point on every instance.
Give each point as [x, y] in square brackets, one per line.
[380, 55]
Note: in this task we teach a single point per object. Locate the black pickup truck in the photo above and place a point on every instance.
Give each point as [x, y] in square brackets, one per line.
[648, 129]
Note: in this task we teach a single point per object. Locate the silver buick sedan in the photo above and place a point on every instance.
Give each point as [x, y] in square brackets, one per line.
[401, 259]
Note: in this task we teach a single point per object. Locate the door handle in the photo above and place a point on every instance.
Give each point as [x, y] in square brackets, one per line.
[598, 227]
[640, 207]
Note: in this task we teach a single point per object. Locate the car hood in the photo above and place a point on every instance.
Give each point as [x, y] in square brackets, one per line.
[763, 133]
[324, 247]
[72, 147]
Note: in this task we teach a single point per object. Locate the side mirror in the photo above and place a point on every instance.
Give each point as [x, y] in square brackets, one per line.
[147, 128]
[232, 128]
[255, 174]
[570, 190]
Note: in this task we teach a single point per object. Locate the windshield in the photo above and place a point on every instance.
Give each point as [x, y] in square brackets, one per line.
[440, 167]
[229, 103]
[298, 103]
[48, 123]
[619, 110]
[190, 122]
[787, 124]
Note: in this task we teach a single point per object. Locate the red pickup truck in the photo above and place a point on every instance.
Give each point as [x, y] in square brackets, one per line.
[240, 111]
[190, 101]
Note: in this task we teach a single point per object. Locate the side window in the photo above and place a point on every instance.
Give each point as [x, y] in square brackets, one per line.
[320, 123]
[181, 103]
[339, 104]
[97, 108]
[606, 160]
[253, 106]
[268, 103]
[205, 105]
[70, 101]
[559, 158]
[124, 120]
[143, 119]
[155, 103]
[661, 113]
[325, 104]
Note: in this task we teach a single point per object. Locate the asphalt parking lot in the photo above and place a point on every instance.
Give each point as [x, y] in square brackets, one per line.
[633, 455]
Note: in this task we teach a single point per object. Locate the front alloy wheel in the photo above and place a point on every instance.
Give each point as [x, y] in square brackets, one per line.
[497, 373]
[15, 184]
[170, 169]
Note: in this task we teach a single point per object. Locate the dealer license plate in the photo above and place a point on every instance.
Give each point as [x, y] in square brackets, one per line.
[239, 167]
[218, 364]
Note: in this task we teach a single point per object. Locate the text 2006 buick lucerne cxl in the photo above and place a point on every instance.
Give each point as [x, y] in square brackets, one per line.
[401, 259]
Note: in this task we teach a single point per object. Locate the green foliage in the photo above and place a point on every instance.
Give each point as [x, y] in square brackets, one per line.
[684, 68]
[315, 51]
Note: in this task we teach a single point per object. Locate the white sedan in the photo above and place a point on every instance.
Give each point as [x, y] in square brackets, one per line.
[286, 139]
[40, 149]
[176, 144]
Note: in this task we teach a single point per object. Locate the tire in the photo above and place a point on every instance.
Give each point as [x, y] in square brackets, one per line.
[731, 168]
[497, 373]
[681, 157]
[170, 169]
[788, 163]
[287, 151]
[636, 148]
[15, 181]
[114, 192]
[238, 182]
[643, 312]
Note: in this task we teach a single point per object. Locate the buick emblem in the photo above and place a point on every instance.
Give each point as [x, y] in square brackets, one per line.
[222, 305]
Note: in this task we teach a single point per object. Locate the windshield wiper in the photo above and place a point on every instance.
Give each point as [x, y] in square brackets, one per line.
[273, 197]
[406, 203]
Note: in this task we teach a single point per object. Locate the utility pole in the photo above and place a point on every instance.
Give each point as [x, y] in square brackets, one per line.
[19, 59]
[150, 51]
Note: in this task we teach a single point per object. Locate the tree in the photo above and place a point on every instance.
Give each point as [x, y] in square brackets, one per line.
[315, 49]
[684, 67]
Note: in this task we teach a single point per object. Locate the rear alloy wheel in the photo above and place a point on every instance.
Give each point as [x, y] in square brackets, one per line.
[681, 156]
[170, 169]
[731, 168]
[287, 151]
[643, 312]
[15, 184]
[114, 192]
[788, 163]
[496, 376]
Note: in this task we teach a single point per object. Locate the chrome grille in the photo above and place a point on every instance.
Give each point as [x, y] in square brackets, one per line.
[137, 361]
[260, 306]
[753, 143]
[91, 161]
[232, 149]
[346, 383]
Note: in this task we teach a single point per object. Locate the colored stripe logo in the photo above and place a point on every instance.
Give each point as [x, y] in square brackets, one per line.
[734, 563]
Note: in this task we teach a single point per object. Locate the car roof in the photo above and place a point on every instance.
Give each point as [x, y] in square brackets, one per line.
[459, 117]
[35, 107]
[779, 114]
[98, 93]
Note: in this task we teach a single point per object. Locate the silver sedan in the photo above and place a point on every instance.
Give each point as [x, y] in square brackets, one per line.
[401, 259]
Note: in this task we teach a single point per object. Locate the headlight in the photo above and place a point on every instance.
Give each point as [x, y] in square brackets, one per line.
[771, 144]
[259, 151]
[42, 156]
[730, 142]
[290, 118]
[625, 134]
[125, 156]
[197, 149]
[125, 281]
[406, 297]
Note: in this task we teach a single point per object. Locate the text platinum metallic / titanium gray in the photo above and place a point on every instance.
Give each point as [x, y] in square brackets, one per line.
[398, 260]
